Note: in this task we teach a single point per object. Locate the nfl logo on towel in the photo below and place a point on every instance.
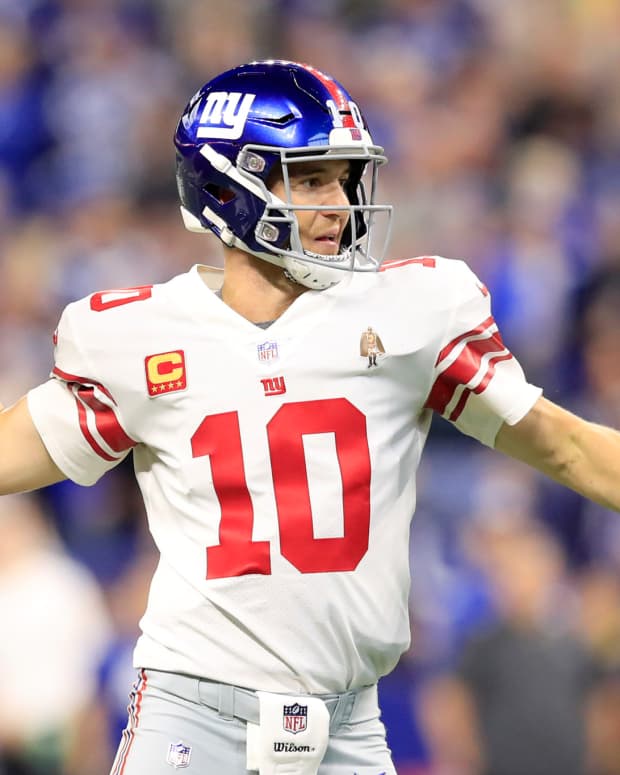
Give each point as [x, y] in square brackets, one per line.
[295, 718]
[179, 755]
[267, 351]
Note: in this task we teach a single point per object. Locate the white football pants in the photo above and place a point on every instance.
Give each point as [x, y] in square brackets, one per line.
[178, 722]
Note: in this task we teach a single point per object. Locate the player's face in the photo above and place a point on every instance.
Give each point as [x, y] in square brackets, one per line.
[319, 183]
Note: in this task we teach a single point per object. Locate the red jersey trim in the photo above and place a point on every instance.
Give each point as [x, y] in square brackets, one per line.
[462, 402]
[427, 261]
[466, 366]
[484, 326]
[82, 381]
[106, 421]
[83, 420]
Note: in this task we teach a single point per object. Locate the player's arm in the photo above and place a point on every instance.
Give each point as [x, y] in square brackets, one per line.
[572, 451]
[25, 463]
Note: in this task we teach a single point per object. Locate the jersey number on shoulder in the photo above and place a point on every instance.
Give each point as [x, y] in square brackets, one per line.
[237, 554]
[103, 300]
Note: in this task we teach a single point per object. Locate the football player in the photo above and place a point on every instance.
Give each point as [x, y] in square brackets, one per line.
[277, 469]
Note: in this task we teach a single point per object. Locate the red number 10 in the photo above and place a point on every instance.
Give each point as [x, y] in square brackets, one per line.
[237, 554]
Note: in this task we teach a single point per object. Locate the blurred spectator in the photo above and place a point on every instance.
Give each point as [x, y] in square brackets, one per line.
[598, 321]
[531, 269]
[97, 104]
[56, 628]
[25, 135]
[26, 315]
[102, 245]
[598, 618]
[589, 532]
[98, 728]
[517, 703]
[208, 39]
[604, 728]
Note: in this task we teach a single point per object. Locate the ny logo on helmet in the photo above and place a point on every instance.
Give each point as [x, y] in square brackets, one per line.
[223, 116]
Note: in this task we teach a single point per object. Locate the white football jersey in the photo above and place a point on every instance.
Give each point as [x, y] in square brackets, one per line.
[278, 465]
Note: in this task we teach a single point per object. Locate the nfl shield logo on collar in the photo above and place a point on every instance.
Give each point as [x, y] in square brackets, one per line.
[179, 755]
[295, 718]
[267, 351]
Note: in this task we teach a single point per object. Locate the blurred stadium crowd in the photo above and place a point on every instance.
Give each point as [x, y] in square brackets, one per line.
[502, 124]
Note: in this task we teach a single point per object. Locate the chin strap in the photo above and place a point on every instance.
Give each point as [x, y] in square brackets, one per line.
[308, 274]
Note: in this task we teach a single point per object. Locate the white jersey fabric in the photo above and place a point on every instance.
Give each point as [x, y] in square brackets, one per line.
[278, 466]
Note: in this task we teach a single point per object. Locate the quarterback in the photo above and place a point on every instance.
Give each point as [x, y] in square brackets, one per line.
[278, 474]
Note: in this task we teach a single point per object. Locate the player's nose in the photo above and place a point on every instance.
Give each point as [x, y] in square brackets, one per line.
[335, 200]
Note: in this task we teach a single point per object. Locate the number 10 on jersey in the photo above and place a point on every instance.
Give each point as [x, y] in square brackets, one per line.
[219, 437]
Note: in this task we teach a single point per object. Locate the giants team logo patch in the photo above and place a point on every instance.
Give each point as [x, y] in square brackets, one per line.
[295, 718]
[165, 372]
[274, 386]
[179, 755]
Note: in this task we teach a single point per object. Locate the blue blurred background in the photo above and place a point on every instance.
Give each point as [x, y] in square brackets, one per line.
[502, 123]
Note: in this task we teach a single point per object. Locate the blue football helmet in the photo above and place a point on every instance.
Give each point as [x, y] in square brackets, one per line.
[236, 130]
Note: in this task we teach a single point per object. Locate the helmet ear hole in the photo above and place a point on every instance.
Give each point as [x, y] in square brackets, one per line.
[221, 194]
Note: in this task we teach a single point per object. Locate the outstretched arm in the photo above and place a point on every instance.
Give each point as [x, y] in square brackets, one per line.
[572, 451]
[25, 463]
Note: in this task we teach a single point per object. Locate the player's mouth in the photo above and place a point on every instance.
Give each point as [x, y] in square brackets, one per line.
[328, 243]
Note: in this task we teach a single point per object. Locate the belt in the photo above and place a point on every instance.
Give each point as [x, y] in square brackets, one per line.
[236, 702]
